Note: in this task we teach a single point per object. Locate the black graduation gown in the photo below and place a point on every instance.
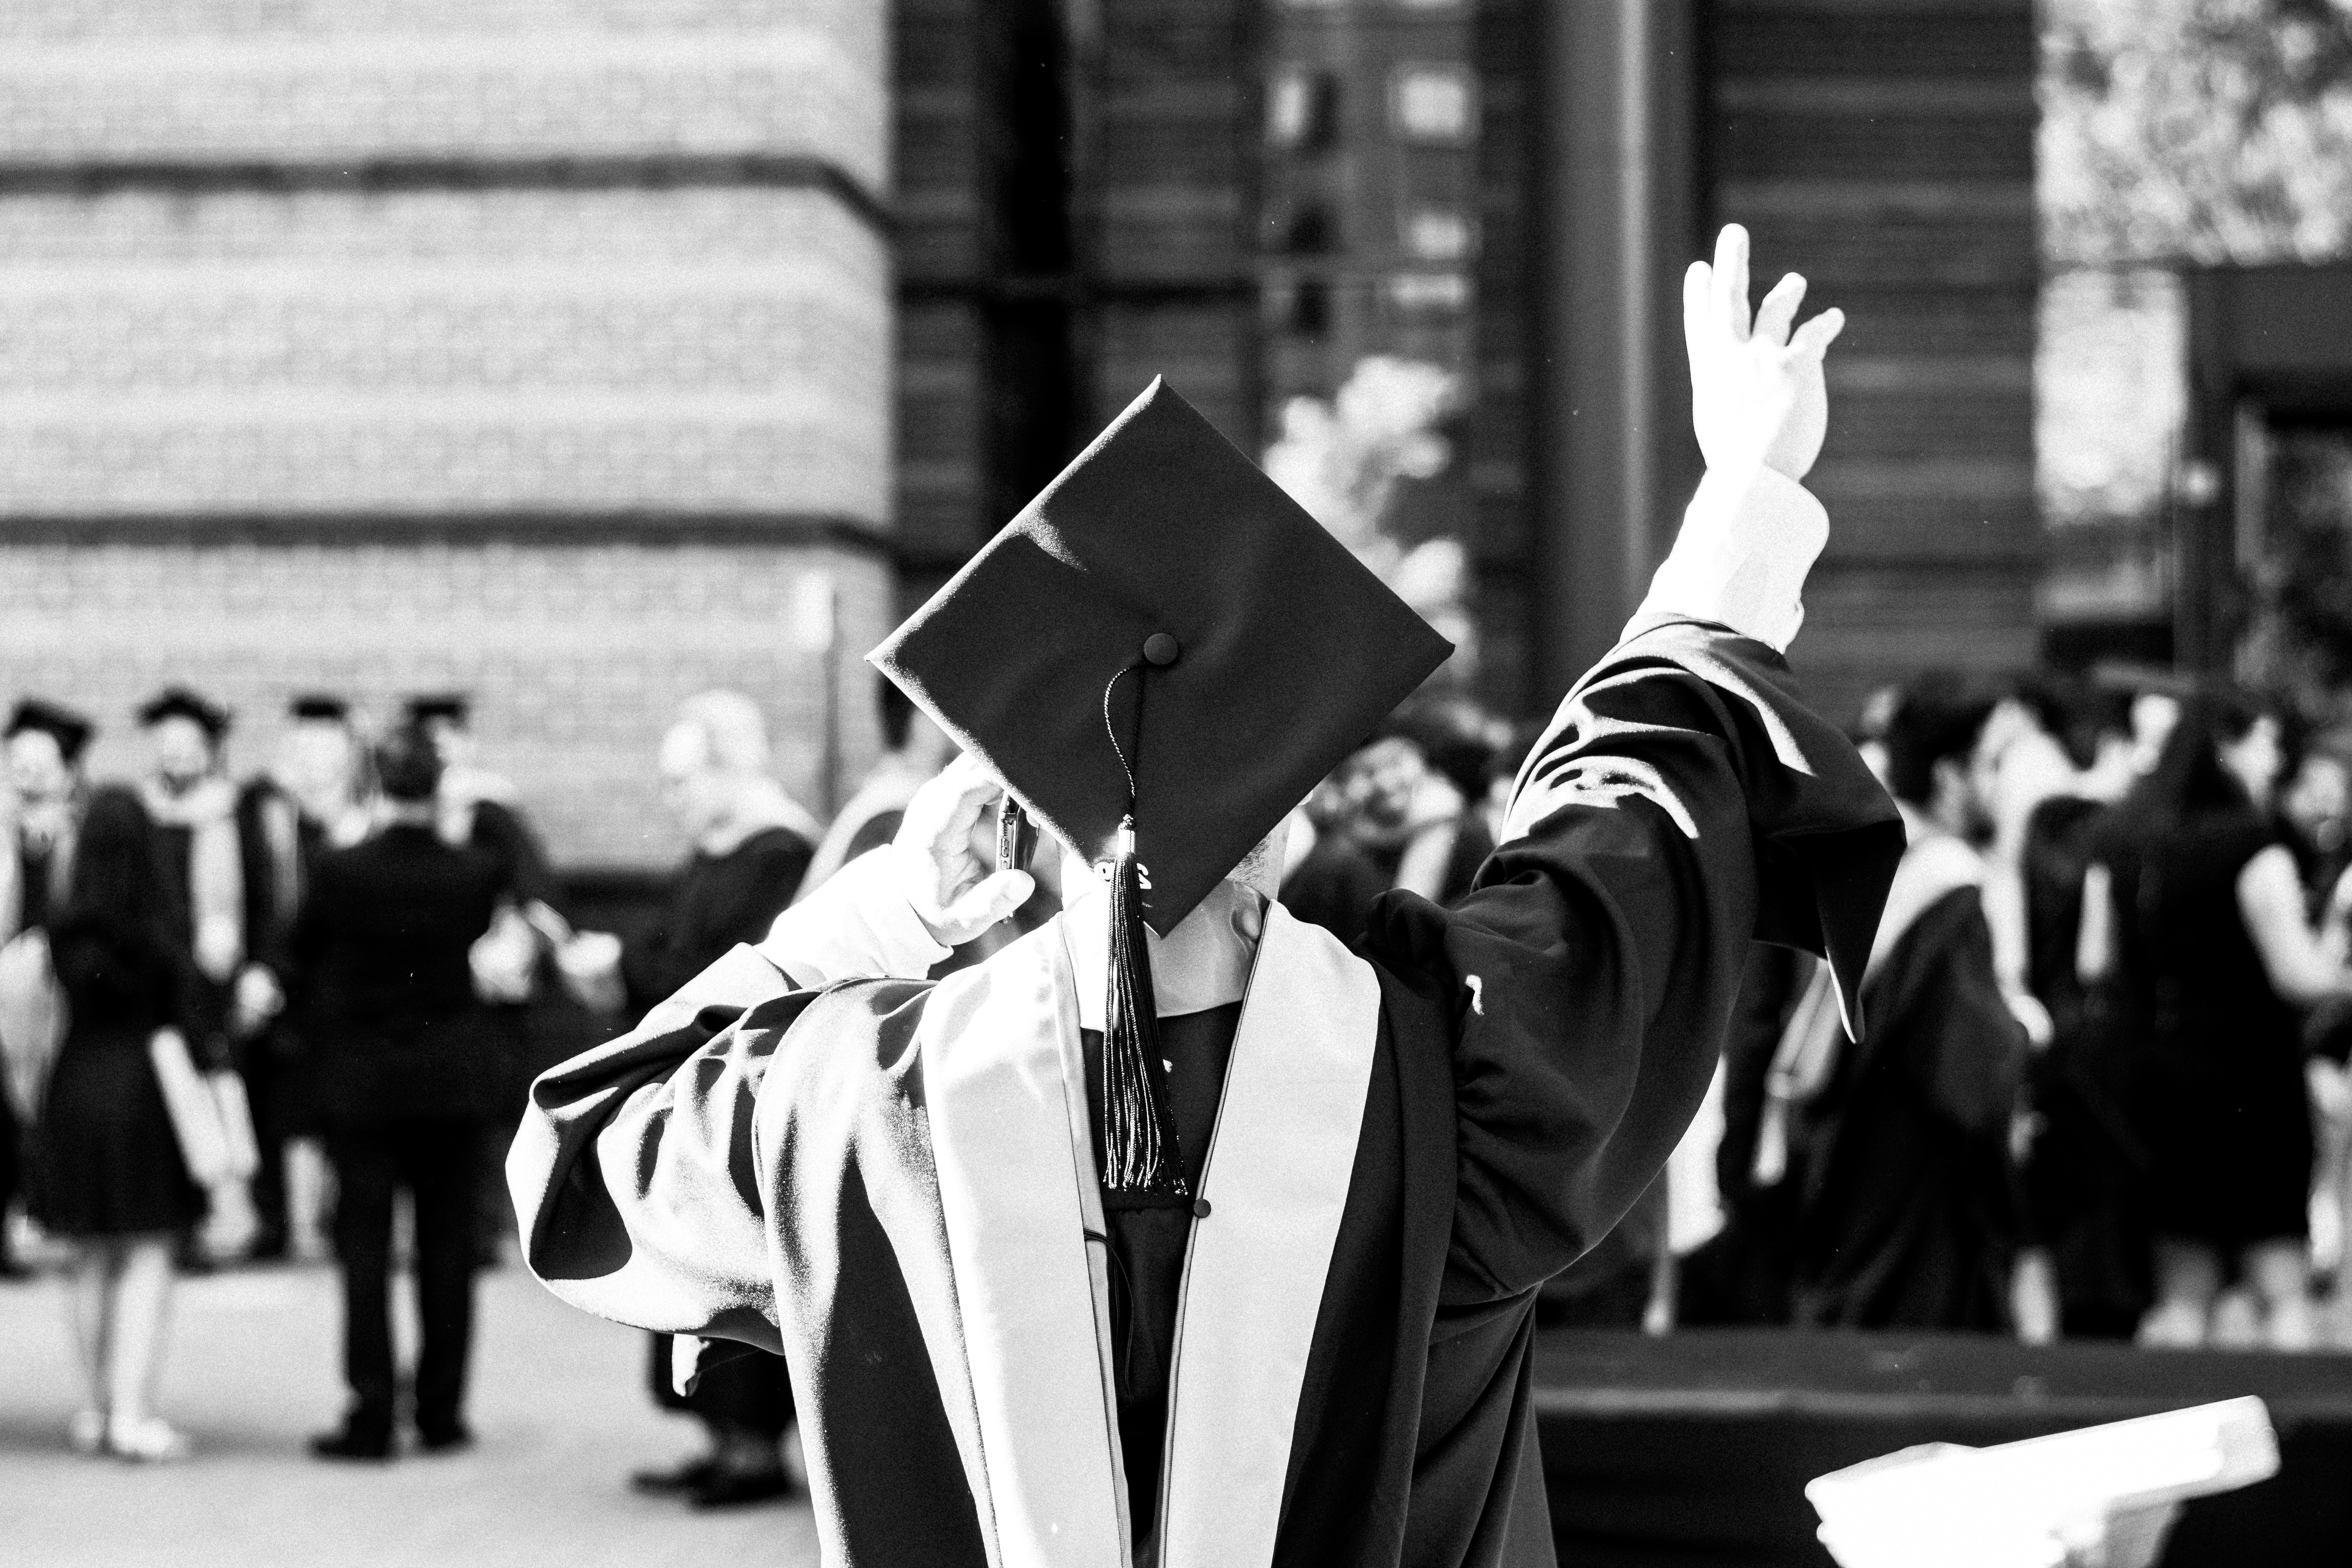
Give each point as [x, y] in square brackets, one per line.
[773, 1165]
[1908, 1218]
[2086, 1174]
[716, 901]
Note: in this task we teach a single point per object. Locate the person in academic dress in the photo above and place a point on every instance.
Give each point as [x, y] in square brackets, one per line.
[1899, 1146]
[45, 796]
[752, 847]
[209, 841]
[308, 802]
[536, 1025]
[913, 752]
[405, 1076]
[1177, 1233]
[2087, 1169]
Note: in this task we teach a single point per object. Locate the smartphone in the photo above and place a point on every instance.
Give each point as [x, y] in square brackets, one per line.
[1016, 836]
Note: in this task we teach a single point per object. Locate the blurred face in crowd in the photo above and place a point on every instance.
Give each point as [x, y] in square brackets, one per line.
[695, 789]
[182, 750]
[2254, 759]
[1378, 784]
[38, 771]
[453, 742]
[2153, 715]
[316, 764]
[2316, 799]
[2014, 765]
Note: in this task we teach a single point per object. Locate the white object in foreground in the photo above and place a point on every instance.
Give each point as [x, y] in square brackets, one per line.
[2101, 1497]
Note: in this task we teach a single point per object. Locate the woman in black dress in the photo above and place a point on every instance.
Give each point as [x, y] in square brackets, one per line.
[2195, 926]
[110, 1179]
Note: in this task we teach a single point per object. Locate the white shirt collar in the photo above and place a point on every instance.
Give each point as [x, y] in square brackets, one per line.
[1204, 963]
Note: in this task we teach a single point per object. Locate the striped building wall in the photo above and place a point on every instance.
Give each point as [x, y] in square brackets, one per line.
[1884, 148]
[1074, 202]
[540, 348]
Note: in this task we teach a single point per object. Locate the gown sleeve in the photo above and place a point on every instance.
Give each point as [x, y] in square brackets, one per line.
[632, 1174]
[1683, 800]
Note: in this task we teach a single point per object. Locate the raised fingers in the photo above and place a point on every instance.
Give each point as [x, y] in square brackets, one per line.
[1731, 279]
[1815, 336]
[1774, 316]
[1698, 302]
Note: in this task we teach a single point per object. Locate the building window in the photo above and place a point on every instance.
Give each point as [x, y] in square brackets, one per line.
[1302, 111]
[1312, 229]
[1438, 234]
[1310, 308]
[1432, 103]
[1422, 293]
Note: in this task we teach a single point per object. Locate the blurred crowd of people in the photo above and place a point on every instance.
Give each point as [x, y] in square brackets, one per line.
[200, 973]
[2101, 1090]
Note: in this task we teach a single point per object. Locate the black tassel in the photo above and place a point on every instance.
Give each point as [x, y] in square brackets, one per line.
[1140, 1150]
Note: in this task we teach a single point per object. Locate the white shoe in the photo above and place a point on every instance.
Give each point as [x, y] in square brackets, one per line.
[87, 1431]
[150, 1440]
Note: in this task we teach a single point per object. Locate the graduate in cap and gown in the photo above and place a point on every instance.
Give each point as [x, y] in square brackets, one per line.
[308, 802]
[1176, 1232]
[43, 801]
[215, 854]
[1898, 1151]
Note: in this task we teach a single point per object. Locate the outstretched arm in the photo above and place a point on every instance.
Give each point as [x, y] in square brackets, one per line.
[1684, 800]
[633, 1174]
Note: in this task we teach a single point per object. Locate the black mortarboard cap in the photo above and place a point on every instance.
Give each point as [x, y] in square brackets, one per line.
[179, 703]
[1159, 657]
[455, 707]
[69, 728]
[1161, 539]
[319, 708]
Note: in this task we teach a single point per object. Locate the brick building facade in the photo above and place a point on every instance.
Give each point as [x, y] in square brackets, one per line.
[540, 348]
[585, 353]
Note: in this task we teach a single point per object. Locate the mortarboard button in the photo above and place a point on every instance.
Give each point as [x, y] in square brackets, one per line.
[1160, 649]
[1200, 1208]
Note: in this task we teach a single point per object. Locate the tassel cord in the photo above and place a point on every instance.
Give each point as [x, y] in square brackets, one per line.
[1141, 1152]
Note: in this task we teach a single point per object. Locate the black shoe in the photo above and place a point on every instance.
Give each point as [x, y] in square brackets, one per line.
[349, 1442]
[731, 1488]
[12, 1269]
[691, 1476]
[454, 1438]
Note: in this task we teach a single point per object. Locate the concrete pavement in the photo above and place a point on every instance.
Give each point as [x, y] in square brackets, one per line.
[558, 1402]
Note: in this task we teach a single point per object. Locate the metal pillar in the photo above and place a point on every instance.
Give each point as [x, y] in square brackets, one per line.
[1615, 198]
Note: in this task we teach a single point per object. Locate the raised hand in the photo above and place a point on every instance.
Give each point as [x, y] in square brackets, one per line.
[1756, 391]
[955, 891]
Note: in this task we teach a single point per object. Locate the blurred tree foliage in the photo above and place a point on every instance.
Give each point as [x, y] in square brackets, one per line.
[2201, 131]
[2300, 638]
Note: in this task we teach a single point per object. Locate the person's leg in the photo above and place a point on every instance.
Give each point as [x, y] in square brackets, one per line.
[365, 1177]
[89, 1299]
[2187, 1278]
[140, 1319]
[689, 1474]
[2280, 1272]
[12, 1145]
[745, 1403]
[259, 1069]
[442, 1167]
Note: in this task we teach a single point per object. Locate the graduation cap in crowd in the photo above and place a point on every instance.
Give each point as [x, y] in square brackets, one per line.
[440, 708]
[1160, 656]
[179, 703]
[69, 728]
[318, 708]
